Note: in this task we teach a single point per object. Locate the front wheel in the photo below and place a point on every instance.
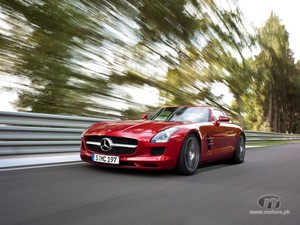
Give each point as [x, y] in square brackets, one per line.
[189, 156]
[240, 150]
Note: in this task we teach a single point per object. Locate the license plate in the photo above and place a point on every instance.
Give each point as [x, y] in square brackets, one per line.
[106, 159]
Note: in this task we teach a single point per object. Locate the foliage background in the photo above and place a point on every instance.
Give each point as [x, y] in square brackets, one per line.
[101, 58]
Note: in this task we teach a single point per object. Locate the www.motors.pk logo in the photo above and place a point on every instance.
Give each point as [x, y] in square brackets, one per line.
[270, 205]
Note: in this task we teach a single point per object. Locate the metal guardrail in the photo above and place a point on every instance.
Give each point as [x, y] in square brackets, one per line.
[257, 136]
[27, 133]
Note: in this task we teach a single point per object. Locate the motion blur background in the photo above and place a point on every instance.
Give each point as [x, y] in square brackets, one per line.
[119, 59]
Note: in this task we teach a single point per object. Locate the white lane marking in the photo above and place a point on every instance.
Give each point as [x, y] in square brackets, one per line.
[254, 146]
[31, 160]
[40, 166]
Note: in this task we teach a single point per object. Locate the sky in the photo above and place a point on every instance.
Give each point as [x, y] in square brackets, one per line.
[256, 13]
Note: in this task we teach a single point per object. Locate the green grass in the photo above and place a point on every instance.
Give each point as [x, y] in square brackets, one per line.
[269, 143]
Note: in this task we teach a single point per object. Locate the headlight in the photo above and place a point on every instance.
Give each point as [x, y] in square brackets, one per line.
[164, 135]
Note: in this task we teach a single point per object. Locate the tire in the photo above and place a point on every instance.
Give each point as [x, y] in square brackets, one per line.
[189, 156]
[240, 150]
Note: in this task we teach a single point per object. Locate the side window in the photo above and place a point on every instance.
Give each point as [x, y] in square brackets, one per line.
[217, 113]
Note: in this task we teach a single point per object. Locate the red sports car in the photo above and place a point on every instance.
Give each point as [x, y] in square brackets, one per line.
[178, 138]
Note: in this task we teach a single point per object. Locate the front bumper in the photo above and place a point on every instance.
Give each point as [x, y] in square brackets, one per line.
[141, 158]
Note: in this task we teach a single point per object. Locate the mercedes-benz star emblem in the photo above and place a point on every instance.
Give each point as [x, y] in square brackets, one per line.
[106, 144]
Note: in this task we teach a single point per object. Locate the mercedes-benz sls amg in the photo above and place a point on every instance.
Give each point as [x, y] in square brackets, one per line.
[172, 138]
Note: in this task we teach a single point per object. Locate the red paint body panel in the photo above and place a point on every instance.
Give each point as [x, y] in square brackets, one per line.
[216, 142]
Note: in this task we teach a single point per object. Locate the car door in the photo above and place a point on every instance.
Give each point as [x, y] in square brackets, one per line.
[220, 136]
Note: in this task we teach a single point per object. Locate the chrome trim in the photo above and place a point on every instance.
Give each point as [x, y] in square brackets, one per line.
[124, 145]
[93, 143]
[113, 145]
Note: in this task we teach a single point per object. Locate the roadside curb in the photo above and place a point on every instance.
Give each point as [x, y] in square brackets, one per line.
[36, 160]
[255, 146]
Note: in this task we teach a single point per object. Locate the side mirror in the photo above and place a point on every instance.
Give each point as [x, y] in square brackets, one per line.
[224, 119]
[221, 119]
[144, 117]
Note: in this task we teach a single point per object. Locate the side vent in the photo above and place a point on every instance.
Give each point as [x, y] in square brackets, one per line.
[210, 142]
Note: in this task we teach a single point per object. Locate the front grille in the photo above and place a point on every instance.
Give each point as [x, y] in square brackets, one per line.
[116, 140]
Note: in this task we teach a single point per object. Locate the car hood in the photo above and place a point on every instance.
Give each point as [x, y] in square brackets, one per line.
[130, 128]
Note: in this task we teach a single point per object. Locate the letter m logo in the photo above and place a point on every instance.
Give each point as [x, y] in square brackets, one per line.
[269, 202]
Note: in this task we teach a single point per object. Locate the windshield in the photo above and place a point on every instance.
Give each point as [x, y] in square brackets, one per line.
[181, 114]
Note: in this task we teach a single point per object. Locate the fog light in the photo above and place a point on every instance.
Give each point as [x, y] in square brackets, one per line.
[157, 150]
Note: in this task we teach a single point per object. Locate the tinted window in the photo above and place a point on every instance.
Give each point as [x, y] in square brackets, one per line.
[181, 114]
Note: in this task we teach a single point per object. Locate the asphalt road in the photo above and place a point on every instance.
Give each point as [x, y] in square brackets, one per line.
[219, 193]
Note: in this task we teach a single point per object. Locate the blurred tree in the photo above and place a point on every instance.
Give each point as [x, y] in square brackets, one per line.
[81, 57]
[224, 52]
[276, 79]
[55, 56]
[45, 59]
[200, 43]
[166, 30]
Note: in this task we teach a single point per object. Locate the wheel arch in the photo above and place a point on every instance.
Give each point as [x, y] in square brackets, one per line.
[243, 134]
[181, 167]
[196, 133]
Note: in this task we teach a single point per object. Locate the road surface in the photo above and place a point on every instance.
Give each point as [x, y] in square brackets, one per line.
[219, 193]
